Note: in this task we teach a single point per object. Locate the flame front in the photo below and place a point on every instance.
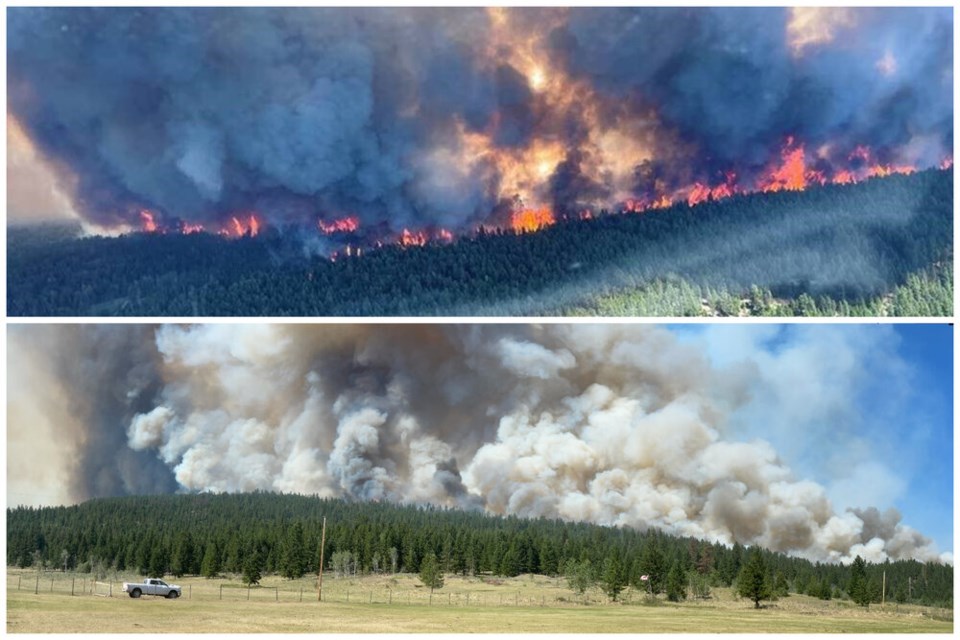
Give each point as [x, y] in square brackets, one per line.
[339, 225]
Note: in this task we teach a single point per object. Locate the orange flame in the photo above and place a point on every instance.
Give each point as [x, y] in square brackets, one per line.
[844, 177]
[188, 228]
[148, 221]
[791, 175]
[884, 170]
[238, 227]
[412, 238]
[445, 235]
[527, 220]
[947, 162]
[340, 225]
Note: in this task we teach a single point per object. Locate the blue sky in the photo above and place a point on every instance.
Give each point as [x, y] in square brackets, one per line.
[865, 410]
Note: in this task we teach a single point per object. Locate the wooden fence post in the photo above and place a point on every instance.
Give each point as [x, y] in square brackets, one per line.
[221, 592]
[36, 588]
[248, 592]
[73, 583]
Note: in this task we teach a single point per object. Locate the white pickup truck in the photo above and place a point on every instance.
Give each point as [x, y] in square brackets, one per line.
[152, 587]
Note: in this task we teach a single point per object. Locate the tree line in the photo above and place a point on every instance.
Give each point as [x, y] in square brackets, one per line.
[265, 533]
[847, 244]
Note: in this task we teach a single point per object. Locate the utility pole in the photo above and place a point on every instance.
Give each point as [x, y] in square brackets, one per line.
[323, 540]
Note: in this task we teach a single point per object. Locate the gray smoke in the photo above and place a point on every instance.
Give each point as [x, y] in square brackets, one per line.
[613, 424]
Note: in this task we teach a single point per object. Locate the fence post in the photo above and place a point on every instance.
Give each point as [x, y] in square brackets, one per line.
[276, 594]
[301, 594]
[248, 592]
[19, 578]
[73, 583]
[189, 592]
[517, 600]
[221, 592]
[449, 598]
[111, 589]
[36, 589]
[51, 584]
[431, 599]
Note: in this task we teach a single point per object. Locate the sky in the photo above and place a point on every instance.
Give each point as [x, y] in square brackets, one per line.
[883, 396]
[615, 424]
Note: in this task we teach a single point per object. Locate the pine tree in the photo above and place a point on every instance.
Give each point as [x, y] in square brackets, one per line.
[614, 576]
[294, 560]
[430, 573]
[752, 581]
[676, 583]
[653, 565]
[210, 566]
[251, 568]
[858, 588]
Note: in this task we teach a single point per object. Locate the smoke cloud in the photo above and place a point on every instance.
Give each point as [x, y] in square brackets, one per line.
[440, 118]
[612, 424]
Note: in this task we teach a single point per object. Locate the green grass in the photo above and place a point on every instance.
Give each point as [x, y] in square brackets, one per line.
[379, 604]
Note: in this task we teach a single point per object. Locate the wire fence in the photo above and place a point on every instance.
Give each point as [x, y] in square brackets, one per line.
[49, 582]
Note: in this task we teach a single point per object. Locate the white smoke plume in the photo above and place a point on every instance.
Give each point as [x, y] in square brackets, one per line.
[613, 424]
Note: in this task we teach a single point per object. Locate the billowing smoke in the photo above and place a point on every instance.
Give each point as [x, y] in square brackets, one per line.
[612, 424]
[447, 119]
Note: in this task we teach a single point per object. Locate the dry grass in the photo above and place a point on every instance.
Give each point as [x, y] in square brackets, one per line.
[399, 604]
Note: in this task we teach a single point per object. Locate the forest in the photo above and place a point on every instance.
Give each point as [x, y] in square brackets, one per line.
[266, 533]
[831, 250]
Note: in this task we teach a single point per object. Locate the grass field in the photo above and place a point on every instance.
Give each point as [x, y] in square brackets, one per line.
[399, 604]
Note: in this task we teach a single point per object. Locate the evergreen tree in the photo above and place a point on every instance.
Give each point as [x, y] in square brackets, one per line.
[858, 588]
[653, 565]
[780, 587]
[251, 569]
[430, 573]
[614, 577]
[676, 583]
[752, 581]
[294, 561]
[901, 594]
[210, 566]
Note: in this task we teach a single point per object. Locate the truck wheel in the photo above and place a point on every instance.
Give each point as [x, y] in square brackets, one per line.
[173, 594]
[135, 593]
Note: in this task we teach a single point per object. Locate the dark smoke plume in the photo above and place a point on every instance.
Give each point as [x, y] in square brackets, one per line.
[427, 118]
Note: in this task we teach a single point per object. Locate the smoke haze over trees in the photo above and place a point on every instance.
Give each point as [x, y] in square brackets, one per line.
[616, 425]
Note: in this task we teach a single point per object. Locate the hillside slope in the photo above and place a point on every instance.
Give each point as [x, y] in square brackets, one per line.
[847, 243]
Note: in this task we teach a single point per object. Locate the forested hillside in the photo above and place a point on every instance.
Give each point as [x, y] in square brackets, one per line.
[236, 533]
[840, 245]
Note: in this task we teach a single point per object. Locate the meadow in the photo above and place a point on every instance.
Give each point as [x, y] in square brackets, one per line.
[401, 604]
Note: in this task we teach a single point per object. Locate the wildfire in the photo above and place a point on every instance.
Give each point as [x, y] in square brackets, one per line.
[701, 192]
[148, 221]
[882, 171]
[237, 227]
[791, 174]
[527, 220]
[187, 228]
[340, 225]
[412, 238]
[947, 163]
